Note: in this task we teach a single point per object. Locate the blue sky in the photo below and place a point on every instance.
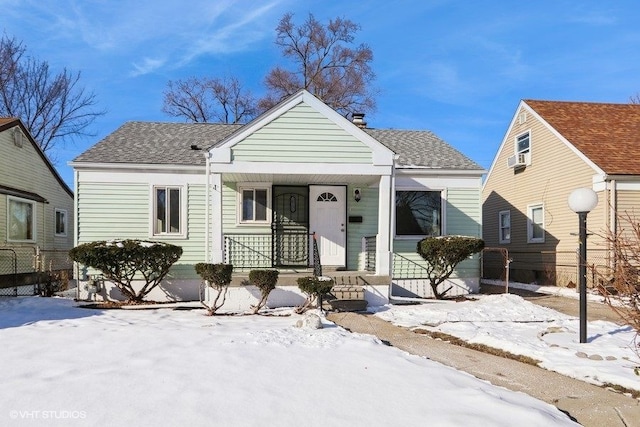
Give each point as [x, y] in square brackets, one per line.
[458, 68]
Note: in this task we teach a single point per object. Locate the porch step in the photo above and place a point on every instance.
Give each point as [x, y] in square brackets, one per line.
[347, 292]
[345, 298]
[346, 305]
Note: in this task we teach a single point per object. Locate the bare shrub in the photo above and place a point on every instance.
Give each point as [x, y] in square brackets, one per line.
[619, 282]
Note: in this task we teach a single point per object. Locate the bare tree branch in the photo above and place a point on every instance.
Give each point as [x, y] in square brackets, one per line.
[209, 100]
[324, 64]
[54, 107]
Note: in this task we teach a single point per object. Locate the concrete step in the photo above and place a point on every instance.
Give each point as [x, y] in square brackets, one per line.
[343, 305]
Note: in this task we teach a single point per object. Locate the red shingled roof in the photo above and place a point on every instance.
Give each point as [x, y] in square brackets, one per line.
[5, 120]
[608, 134]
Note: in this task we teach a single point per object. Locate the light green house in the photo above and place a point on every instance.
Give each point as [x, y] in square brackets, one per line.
[259, 195]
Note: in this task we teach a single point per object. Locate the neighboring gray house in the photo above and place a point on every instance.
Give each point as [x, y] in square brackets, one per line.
[36, 211]
[255, 195]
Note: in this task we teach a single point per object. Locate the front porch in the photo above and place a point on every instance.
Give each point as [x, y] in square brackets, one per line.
[352, 290]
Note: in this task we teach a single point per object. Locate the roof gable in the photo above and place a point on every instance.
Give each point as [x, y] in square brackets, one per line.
[605, 133]
[353, 135]
[10, 122]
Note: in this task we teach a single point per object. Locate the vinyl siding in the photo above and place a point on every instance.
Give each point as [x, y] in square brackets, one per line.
[555, 171]
[22, 168]
[122, 211]
[464, 214]
[230, 212]
[462, 217]
[112, 211]
[367, 207]
[302, 135]
[628, 202]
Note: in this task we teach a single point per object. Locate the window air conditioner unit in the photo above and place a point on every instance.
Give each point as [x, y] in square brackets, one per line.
[517, 160]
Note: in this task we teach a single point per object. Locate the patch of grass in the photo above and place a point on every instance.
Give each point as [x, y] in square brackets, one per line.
[620, 389]
[479, 347]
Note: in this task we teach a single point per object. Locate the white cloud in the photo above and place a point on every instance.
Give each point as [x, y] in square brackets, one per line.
[179, 33]
[147, 66]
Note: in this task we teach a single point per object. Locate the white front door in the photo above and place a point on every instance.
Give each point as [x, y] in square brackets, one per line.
[327, 218]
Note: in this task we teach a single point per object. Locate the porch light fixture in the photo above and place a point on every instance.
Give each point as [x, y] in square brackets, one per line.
[357, 195]
[582, 201]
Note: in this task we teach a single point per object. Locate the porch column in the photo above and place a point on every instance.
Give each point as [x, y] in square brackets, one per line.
[383, 240]
[217, 240]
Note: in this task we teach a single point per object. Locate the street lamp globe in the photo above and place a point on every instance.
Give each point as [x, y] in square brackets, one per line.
[583, 200]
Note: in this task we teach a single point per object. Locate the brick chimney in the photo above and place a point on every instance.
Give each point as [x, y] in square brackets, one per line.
[358, 120]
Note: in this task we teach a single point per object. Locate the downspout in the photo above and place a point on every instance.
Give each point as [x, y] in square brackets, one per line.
[75, 231]
[207, 199]
[392, 231]
[613, 216]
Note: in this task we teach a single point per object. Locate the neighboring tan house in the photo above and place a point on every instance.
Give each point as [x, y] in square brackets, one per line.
[550, 149]
[36, 211]
[254, 195]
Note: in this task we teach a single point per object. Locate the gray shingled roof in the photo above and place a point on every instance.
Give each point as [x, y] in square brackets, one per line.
[170, 143]
[422, 148]
[157, 143]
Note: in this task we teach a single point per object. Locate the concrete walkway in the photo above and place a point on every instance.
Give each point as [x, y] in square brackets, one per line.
[588, 404]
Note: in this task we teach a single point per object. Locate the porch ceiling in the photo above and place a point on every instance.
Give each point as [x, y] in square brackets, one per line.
[300, 179]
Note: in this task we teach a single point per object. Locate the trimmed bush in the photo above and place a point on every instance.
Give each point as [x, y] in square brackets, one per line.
[266, 281]
[443, 254]
[218, 277]
[314, 287]
[122, 261]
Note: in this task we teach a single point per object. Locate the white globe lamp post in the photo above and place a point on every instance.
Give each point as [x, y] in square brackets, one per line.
[582, 201]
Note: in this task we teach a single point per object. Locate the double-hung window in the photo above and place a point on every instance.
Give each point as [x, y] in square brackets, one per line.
[523, 148]
[254, 205]
[535, 223]
[61, 222]
[418, 213]
[505, 226]
[167, 211]
[21, 220]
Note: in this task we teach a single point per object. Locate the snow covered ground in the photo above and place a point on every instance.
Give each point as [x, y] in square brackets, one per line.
[511, 323]
[66, 366]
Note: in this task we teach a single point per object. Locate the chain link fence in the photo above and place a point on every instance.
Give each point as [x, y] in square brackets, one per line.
[545, 268]
[33, 271]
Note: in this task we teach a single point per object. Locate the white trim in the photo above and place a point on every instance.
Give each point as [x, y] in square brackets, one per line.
[528, 152]
[564, 140]
[530, 238]
[34, 222]
[285, 168]
[500, 239]
[183, 211]
[443, 203]
[137, 167]
[217, 239]
[514, 122]
[421, 170]
[240, 199]
[55, 222]
[386, 225]
[140, 177]
[418, 182]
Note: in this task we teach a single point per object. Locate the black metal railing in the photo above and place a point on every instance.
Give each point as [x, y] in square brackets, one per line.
[270, 250]
[317, 266]
[370, 253]
[245, 251]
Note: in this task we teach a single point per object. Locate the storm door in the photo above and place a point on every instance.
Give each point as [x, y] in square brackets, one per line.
[290, 226]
